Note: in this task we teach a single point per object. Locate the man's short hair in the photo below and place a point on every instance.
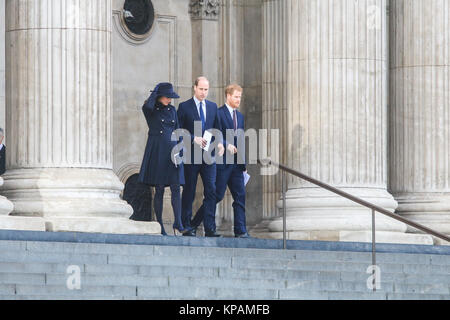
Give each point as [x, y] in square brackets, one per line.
[197, 81]
[232, 88]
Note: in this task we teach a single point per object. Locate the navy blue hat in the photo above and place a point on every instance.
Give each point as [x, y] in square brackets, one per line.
[163, 89]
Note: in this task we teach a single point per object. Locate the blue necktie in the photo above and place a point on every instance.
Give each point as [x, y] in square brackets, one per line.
[202, 117]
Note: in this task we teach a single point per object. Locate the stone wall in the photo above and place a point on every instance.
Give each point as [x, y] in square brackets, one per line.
[137, 67]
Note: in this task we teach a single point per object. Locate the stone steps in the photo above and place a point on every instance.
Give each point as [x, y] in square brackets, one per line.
[38, 270]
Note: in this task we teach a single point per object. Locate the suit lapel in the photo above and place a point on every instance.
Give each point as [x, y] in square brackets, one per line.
[228, 117]
[194, 110]
[209, 115]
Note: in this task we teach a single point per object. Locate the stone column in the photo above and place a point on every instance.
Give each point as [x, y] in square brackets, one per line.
[2, 64]
[420, 105]
[274, 102]
[231, 54]
[337, 120]
[205, 45]
[59, 117]
[6, 221]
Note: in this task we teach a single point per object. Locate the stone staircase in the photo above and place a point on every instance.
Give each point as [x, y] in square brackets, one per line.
[43, 265]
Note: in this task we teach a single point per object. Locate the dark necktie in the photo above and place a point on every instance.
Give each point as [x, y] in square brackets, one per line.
[202, 117]
[234, 120]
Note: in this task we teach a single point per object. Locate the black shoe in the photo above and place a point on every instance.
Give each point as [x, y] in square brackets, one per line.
[212, 234]
[243, 236]
[190, 233]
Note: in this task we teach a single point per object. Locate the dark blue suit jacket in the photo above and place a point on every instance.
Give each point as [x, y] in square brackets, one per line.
[188, 114]
[238, 141]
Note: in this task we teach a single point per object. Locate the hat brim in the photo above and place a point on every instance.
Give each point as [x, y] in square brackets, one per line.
[171, 95]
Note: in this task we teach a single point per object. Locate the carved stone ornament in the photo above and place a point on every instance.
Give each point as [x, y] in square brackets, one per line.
[204, 9]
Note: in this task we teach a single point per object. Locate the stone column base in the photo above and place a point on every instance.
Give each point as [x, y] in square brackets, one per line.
[22, 223]
[319, 215]
[102, 225]
[351, 236]
[261, 230]
[65, 192]
[386, 237]
[429, 209]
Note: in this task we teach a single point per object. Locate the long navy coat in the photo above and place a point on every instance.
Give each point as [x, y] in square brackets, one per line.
[157, 166]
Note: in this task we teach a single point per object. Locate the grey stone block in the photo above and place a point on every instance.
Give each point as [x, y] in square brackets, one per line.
[8, 245]
[178, 271]
[20, 278]
[363, 276]
[341, 286]
[403, 258]
[46, 257]
[266, 253]
[176, 293]
[278, 274]
[293, 294]
[58, 297]
[333, 256]
[439, 288]
[357, 296]
[7, 289]
[194, 252]
[223, 283]
[426, 269]
[110, 280]
[242, 262]
[89, 248]
[406, 296]
[244, 294]
[426, 279]
[17, 267]
[440, 260]
[168, 261]
[111, 269]
[62, 291]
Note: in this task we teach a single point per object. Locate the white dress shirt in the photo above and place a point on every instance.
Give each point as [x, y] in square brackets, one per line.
[197, 103]
[231, 110]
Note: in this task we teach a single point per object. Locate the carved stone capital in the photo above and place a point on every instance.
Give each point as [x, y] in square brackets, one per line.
[204, 9]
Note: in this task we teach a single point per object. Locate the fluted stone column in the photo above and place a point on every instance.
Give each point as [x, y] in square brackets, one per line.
[59, 116]
[2, 64]
[274, 106]
[337, 120]
[6, 221]
[205, 46]
[420, 103]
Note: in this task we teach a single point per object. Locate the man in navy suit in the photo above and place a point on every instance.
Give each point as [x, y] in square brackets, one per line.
[231, 168]
[205, 114]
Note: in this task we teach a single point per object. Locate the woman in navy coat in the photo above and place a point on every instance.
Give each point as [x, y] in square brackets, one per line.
[159, 169]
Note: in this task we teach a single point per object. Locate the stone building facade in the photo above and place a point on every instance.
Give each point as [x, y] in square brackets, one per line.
[359, 91]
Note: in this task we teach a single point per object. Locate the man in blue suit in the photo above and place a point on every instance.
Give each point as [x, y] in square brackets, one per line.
[231, 168]
[204, 113]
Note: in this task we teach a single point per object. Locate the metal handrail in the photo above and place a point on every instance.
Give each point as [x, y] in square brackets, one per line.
[374, 208]
[358, 200]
